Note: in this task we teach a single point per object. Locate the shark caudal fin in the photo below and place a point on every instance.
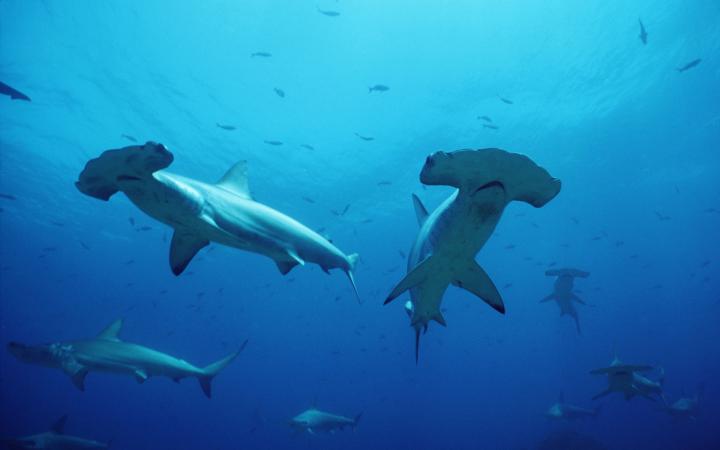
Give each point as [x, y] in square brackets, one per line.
[352, 261]
[102, 176]
[209, 372]
[469, 170]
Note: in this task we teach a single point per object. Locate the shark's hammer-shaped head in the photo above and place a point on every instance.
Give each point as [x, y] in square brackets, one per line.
[48, 355]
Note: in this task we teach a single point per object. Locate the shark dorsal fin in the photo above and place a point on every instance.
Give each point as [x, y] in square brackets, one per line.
[111, 332]
[59, 425]
[420, 211]
[235, 180]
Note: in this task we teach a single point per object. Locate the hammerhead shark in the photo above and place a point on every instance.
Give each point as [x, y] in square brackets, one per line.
[107, 353]
[313, 420]
[564, 411]
[449, 238]
[54, 439]
[685, 407]
[563, 292]
[626, 379]
[200, 212]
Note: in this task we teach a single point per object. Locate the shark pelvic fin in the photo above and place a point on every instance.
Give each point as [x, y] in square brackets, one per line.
[111, 332]
[209, 372]
[420, 211]
[286, 266]
[352, 261]
[78, 379]
[183, 247]
[59, 426]
[141, 376]
[417, 275]
[474, 279]
[235, 180]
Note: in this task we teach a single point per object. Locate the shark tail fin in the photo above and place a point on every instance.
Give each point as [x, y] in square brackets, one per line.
[101, 176]
[209, 372]
[352, 261]
[357, 420]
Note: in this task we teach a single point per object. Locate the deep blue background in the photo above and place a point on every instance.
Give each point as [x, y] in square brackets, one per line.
[628, 135]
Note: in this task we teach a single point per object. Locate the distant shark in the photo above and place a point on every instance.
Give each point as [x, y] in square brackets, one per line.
[199, 212]
[107, 353]
[563, 292]
[626, 379]
[54, 439]
[313, 420]
[684, 407]
[565, 411]
[449, 238]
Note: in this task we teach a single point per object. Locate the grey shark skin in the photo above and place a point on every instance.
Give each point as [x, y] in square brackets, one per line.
[626, 379]
[55, 439]
[107, 353]
[200, 212]
[563, 292]
[684, 407]
[450, 237]
[313, 420]
[565, 411]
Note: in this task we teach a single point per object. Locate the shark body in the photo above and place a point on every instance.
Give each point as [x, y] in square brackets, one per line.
[313, 420]
[107, 353]
[201, 213]
[564, 411]
[443, 253]
[685, 407]
[55, 439]
[563, 292]
[627, 380]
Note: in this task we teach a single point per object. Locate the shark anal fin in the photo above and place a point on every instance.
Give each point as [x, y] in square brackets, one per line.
[59, 425]
[417, 275]
[420, 211]
[141, 376]
[235, 180]
[183, 248]
[473, 278]
[111, 332]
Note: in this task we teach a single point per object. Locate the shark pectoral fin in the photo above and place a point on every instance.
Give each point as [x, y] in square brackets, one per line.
[111, 332]
[183, 248]
[76, 371]
[577, 299]
[209, 372]
[293, 254]
[235, 180]
[417, 275]
[141, 376]
[602, 394]
[473, 278]
[420, 211]
[286, 266]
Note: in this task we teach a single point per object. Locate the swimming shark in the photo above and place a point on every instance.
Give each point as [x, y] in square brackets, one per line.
[443, 253]
[107, 353]
[200, 212]
[564, 411]
[313, 420]
[684, 407]
[624, 378]
[53, 439]
[563, 292]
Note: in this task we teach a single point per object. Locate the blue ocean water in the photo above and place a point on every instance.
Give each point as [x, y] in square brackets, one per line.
[635, 142]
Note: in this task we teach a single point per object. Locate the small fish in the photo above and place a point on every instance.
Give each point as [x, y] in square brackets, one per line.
[575, 220]
[345, 210]
[128, 137]
[273, 142]
[365, 138]
[144, 228]
[384, 183]
[261, 55]
[402, 254]
[689, 65]
[225, 127]
[279, 92]
[506, 100]
[13, 93]
[507, 285]
[509, 246]
[329, 13]
[491, 126]
[643, 34]
[129, 261]
[57, 224]
[705, 263]
[485, 118]
[49, 249]
[619, 243]
[306, 146]
[662, 217]
[84, 245]
[308, 199]
[8, 196]
[378, 88]
[131, 220]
